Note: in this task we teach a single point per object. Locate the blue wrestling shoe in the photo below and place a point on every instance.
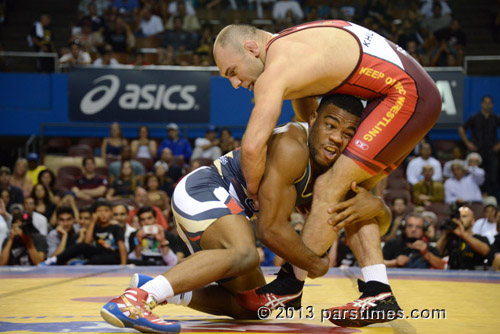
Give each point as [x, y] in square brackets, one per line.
[139, 280]
[133, 309]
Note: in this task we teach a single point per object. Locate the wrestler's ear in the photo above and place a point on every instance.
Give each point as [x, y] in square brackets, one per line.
[252, 47]
[313, 117]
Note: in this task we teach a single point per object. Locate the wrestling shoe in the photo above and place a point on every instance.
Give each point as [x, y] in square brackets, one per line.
[284, 291]
[139, 280]
[376, 304]
[133, 310]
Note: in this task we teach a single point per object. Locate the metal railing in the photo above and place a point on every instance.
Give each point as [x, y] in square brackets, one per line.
[33, 55]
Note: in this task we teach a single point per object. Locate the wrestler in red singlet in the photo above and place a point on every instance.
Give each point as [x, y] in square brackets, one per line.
[404, 101]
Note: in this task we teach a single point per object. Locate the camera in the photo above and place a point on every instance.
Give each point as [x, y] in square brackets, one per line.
[26, 223]
[150, 229]
[448, 224]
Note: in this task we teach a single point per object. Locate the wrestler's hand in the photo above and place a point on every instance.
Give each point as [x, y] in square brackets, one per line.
[321, 269]
[362, 207]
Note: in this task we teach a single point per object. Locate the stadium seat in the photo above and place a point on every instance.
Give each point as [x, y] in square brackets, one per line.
[391, 193]
[477, 208]
[147, 163]
[121, 57]
[57, 145]
[69, 171]
[147, 42]
[80, 151]
[442, 210]
[64, 183]
[92, 142]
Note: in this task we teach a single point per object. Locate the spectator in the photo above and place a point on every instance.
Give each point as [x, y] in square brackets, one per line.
[124, 186]
[281, 7]
[438, 21]
[100, 5]
[16, 194]
[465, 249]
[463, 188]
[112, 146]
[89, 185]
[189, 21]
[120, 214]
[4, 223]
[495, 246]
[103, 241]
[34, 167]
[5, 198]
[68, 200]
[398, 208]
[178, 39]
[39, 221]
[414, 169]
[150, 24]
[484, 140]
[458, 154]
[106, 58]
[173, 7]
[427, 8]
[428, 191]
[116, 166]
[41, 39]
[207, 147]
[440, 54]
[407, 33]
[431, 220]
[173, 169]
[160, 169]
[410, 250]
[140, 201]
[43, 205]
[65, 234]
[120, 36]
[89, 40]
[487, 226]
[25, 246]
[227, 142]
[179, 146]
[144, 147]
[85, 217]
[76, 56]
[48, 179]
[150, 245]
[96, 19]
[126, 7]
[157, 197]
[140, 60]
[20, 177]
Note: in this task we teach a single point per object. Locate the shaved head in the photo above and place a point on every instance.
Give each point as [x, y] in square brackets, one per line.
[233, 37]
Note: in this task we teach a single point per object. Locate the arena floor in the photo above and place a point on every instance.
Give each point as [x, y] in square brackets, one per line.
[68, 300]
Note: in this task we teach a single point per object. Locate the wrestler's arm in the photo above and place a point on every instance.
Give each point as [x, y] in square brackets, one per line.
[304, 107]
[269, 92]
[286, 162]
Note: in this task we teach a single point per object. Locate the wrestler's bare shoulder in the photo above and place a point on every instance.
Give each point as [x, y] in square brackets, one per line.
[314, 61]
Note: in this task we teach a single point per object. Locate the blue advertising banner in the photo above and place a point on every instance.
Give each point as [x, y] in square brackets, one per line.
[139, 95]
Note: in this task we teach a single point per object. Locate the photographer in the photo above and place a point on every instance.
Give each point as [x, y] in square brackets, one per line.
[25, 245]
[465, 249]
[151, 243]
[409, 250]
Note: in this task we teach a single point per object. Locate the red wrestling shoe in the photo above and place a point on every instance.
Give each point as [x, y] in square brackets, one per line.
[284, 291]
[133, 309]
[376, 304]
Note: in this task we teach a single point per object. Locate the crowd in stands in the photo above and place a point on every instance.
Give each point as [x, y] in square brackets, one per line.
[182, 32]
[110, 204]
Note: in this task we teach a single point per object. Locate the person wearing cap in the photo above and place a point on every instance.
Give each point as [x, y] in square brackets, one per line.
[173, 169]
[34, 167]
[179, 146]
[106, 58]
[487, 226]
[103, 244]
[207, 147]
[15, 193]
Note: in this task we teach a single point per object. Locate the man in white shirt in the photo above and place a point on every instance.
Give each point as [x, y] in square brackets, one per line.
[208, 146]
[150, 24]
[414, 169]
[487, 226]
[76, 56]
[39, 220]
[461, 187]
[282, 7]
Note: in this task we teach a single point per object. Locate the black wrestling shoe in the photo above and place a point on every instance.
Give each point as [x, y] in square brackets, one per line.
[376, 304]
[284, 291]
